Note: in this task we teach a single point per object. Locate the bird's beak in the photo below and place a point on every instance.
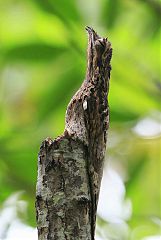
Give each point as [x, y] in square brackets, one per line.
[93, 36]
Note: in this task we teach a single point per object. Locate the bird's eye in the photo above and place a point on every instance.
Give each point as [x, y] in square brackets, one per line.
[100, 45]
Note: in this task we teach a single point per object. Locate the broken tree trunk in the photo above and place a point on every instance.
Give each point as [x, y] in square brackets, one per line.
[70, 167]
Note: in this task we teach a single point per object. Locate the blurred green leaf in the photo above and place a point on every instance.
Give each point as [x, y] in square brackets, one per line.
[57, 93]
[45, 5]
[110, 12]
[34, 52]
[135, 168]
[68, 14]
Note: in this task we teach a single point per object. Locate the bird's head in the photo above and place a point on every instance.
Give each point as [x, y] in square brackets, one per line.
[99, 52]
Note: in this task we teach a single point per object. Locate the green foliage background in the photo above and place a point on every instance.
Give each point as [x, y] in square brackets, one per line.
[42, 63]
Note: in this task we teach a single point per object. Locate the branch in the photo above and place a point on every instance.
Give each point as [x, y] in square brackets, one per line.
[70, 167]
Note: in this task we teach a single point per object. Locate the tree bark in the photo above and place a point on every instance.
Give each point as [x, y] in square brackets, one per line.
[70, 167]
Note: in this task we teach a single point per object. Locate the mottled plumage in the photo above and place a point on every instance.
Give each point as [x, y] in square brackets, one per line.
[87, 116]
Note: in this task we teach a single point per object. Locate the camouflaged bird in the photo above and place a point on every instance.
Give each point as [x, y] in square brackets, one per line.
[87, 115]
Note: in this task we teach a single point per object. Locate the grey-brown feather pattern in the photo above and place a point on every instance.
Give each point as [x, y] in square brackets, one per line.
[87, 116]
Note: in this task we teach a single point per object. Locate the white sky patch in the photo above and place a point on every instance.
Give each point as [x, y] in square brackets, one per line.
[19, 231]
[11, 228]
[152, 238]
[148, 127]
[112, 205]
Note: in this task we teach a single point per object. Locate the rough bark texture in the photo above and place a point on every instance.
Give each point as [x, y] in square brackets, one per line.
[70, 167]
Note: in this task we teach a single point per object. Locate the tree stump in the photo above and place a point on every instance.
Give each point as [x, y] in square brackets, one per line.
[70, 167]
